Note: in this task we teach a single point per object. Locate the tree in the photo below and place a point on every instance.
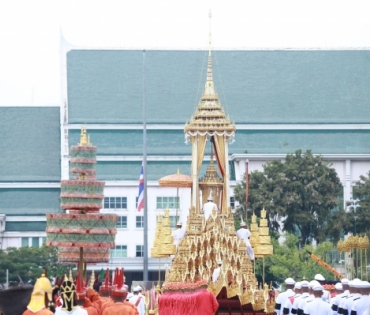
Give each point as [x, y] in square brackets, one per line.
[298, 195]
[29, 263]
[361, 216]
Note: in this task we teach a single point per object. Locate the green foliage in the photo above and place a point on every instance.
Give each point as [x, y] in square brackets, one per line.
[289, 261]
[29, 263]
[362, 217]
[298, 195]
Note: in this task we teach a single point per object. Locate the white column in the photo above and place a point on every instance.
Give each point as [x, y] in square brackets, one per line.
[227, 173]
[194, 173]
[347, 188]
[241, 169]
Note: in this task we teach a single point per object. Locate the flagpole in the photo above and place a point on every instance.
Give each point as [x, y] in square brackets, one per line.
[145, 271]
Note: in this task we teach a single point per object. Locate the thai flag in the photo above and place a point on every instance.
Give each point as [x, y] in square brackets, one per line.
[140, 199]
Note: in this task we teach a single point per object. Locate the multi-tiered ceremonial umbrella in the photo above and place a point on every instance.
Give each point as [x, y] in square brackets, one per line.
[83, 234]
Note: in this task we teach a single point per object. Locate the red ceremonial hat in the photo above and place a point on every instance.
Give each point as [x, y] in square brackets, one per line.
[119, 288]
[80, 288]
[105, 285]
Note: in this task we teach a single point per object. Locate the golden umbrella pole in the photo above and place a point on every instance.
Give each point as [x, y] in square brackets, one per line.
[263, 269]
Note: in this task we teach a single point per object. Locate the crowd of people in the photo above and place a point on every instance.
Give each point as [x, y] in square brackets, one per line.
[73, 298]
[311, 298]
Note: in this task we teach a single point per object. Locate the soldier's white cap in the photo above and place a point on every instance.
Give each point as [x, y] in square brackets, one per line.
[289, 281]
[304, 284]
[219, 262]
[317, 287]
[178, 223]
[344, 281]
[338, 286]
[297, 285]
[313, 283]
[243, 224]
[319, 277]
[364, 285]
[137, 288]
[354, 283]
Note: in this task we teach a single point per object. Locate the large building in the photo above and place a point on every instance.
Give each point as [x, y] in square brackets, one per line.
[280, 100]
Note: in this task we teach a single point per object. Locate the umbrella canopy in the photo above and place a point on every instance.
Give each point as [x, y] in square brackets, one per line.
[176, 180]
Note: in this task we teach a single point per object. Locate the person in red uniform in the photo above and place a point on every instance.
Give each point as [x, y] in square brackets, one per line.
[84, 297]
[37, 306]
[118, 294]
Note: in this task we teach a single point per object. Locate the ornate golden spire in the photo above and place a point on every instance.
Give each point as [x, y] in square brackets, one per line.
[209, 115]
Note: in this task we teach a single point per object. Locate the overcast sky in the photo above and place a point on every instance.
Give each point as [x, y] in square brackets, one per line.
[30, 32]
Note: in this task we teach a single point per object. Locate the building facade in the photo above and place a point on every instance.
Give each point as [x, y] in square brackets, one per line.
[280, 101]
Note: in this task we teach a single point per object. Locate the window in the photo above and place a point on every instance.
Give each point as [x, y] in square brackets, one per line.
[139, 251]
[172, 221]
[136, 199]
[119, 251]
[232, 202]
[168, 202]
[139, 221]
[115, 203]
[122, 223]
[35, 242]
[25, 241]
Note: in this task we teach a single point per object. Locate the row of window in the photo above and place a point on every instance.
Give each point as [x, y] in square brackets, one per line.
[122, 222]
[120, 251]
[32, 241]
[120, 203]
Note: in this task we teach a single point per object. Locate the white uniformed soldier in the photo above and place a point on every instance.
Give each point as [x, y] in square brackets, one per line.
[337, 299]
[360, 306]
[217, 271]
[304, 295]
[283, 296]
[311, 297]
[244, 234]
[317, 306]
[208, 207]
[178, 234]
[326, 294]
[346, 303]
[287, 307]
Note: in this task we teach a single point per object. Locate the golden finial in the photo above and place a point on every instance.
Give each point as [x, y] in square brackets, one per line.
[92, 280]
[65, 278]
[70, 275]
[263, 213]
[83, 138]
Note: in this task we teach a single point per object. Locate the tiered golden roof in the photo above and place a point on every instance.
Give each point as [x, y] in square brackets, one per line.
[205, 244]
[163, 242]
[263, 246]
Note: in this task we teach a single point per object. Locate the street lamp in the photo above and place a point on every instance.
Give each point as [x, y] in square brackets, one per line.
[354, 204]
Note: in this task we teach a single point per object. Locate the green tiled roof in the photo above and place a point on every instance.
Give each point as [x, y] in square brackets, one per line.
[156, 170]
[105, 86]
[29, 226]
[30, 144]
[18, 201]
[171, 142]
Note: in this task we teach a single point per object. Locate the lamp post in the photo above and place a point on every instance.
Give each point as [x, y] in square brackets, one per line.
[354, 204]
